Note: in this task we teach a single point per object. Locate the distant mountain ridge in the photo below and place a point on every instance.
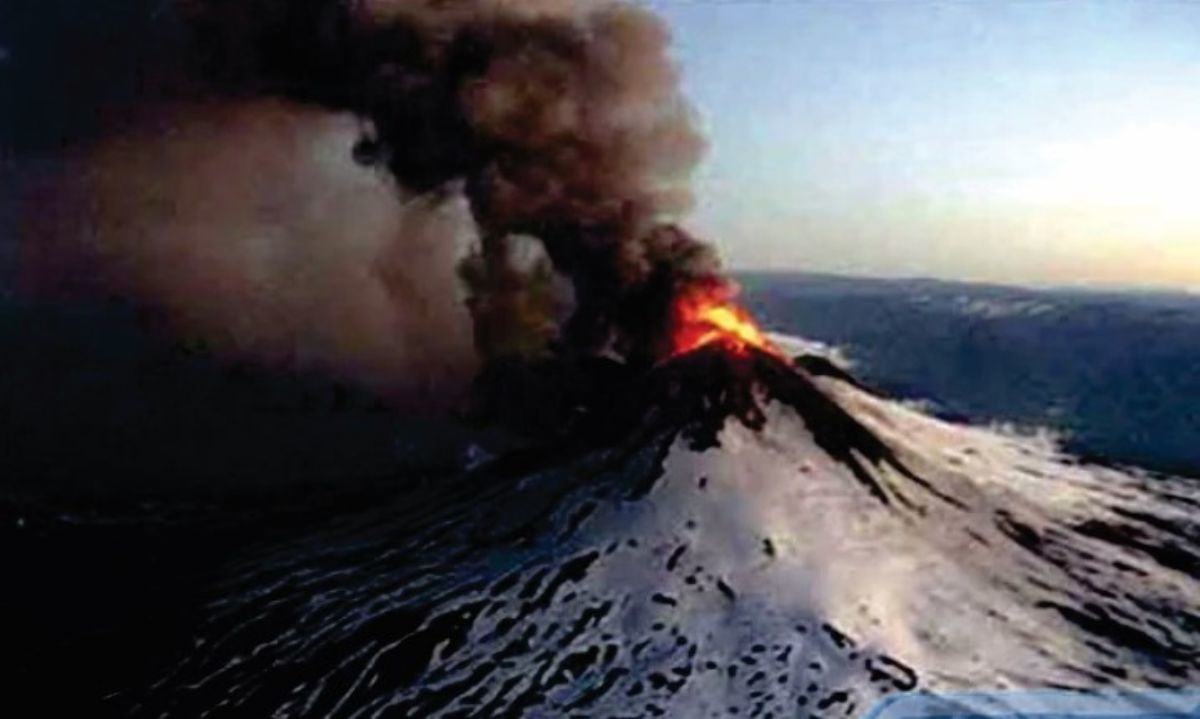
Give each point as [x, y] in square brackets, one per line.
[1112, 371]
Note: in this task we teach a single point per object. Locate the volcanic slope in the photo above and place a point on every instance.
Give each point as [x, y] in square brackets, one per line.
[748, 540]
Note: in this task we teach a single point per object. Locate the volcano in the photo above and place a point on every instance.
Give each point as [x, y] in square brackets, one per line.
[727, 534]
[657, 509]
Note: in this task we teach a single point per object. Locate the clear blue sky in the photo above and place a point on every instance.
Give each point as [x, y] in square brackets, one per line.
[1034, 141]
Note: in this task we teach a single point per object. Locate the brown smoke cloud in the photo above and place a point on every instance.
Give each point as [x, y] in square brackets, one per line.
[249, 229]
[563, 121]
[552, 135]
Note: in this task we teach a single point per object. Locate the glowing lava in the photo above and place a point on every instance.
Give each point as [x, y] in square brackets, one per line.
[706, 315]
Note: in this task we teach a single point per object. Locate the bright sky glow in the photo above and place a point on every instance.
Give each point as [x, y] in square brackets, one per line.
[1031, 142]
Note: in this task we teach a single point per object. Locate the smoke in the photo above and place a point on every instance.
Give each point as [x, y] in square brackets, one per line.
[550, 136]
[563, 121]
[248, 228]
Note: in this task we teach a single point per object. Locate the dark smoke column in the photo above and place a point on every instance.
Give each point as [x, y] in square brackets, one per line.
[563, 121]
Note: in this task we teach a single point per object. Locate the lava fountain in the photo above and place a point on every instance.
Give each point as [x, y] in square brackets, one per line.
[706, 314]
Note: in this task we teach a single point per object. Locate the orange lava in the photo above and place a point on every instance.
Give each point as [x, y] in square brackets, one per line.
[704, 316]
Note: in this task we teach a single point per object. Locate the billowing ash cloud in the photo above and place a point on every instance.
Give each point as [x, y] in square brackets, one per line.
[551, 135]
[246, 227]
[563, 121]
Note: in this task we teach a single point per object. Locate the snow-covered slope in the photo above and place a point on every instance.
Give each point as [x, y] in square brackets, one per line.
[811, 559]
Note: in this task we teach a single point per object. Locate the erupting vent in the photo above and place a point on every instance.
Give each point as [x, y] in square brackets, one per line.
[706, 315]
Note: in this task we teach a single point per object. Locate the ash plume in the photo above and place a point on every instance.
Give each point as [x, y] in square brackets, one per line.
[563, 121]
[245, 229]
[559, 126]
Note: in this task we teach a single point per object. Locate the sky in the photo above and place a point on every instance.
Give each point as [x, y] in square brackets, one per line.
[1032, 142]
[1027, 141]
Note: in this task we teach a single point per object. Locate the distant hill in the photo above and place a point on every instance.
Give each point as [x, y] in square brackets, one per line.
[1115, 372]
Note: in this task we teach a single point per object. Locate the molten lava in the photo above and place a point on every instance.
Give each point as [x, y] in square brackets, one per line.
[706, 315]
